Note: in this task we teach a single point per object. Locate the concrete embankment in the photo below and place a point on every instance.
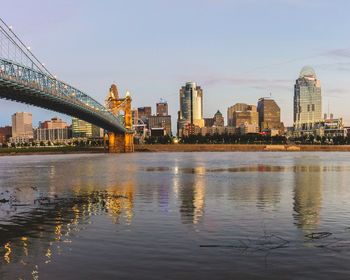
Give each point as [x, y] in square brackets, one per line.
[239, 148]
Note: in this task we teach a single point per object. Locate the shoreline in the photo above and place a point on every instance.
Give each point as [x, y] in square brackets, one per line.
[49, 151]
[153, 148]
[161, 148]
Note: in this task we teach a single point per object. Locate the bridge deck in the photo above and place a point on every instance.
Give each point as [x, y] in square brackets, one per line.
[22, 84]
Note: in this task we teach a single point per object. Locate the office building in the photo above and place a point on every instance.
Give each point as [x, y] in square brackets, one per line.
[144, 112]
[162, 108]
[217, 120]
[208, 122]
[242, 113]
[52, 134]
[239, 107]
[83, 129]
[54, 123]
[5, 134]
[22, 127]
[52, 130]
[269, 115]
[160, 122]
[191, 107]
[307, 101]
[247, 128]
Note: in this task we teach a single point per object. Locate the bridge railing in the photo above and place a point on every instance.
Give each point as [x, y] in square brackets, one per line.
[25, 76]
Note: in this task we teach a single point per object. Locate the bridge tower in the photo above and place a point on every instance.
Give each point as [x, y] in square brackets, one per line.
[120, 143]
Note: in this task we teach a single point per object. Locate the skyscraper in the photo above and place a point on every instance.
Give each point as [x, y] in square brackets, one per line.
[162, 108]
[144, 112]
[191, 106]
[22, 126]
[307, 100]
[160, 122]
[269, 115]
[240, 114]
[238, 107]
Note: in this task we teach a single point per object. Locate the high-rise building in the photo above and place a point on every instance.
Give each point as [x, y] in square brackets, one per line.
[22, 126]
[144, 112]
[307, 100]
[239, 107]
[160, 122]
[83, 129]
[162, 108]
[269, 115]
[191, 106]
[242, 114]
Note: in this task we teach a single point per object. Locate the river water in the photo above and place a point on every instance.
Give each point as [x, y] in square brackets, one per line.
[175, 216]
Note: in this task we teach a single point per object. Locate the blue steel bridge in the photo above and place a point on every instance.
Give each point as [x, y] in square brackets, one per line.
[23, 78]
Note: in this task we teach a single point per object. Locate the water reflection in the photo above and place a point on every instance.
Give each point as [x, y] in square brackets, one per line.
[268, 192]
[135, 208]
[192, 196]
[307, 196]
[38, 233]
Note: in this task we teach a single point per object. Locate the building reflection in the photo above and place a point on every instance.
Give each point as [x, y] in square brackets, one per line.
[49, 225]
[257, 184]
[192, 196]
[269, 190]
[308, 183]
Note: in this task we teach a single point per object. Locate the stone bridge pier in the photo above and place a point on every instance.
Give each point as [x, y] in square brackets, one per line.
[121, 143]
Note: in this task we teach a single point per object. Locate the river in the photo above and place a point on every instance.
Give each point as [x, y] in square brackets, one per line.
[259, 215]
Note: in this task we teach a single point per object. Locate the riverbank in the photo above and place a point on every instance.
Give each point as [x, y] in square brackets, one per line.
[239, 148]
[179, 148]
[50, 150]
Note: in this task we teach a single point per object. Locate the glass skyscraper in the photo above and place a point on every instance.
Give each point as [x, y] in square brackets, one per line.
[191, 106]
[307, 100]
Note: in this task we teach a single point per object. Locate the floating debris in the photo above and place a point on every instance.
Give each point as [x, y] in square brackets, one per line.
[318, 235]
[264, 243]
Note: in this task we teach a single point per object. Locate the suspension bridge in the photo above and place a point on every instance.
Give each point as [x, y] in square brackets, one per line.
[23, 78]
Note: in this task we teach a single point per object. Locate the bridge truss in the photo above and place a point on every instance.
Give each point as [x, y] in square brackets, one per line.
[23, 78]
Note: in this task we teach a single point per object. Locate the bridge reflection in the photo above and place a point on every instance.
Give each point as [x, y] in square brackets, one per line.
[52, 221]
[135, 199]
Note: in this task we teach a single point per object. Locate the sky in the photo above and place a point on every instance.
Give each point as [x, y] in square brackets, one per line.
[236, 50]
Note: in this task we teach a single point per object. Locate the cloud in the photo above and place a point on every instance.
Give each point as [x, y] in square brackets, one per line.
[335, 66]
[338, 53]
[252, 82]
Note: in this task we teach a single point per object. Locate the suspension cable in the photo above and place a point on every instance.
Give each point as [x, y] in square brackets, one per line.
[26, 50]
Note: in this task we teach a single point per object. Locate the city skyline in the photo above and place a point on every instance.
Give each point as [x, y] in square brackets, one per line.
[223, 59]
